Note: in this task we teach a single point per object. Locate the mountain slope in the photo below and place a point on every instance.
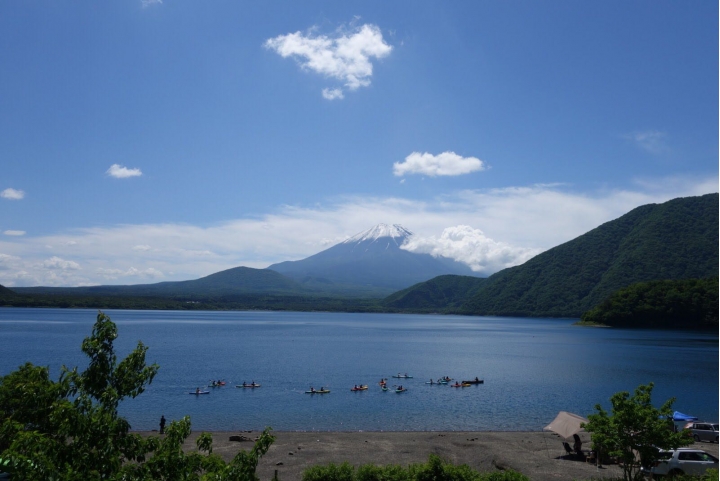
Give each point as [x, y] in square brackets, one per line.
[440, 293]
[235, 281]
[674, 240]
[370, 259]
[5, 292]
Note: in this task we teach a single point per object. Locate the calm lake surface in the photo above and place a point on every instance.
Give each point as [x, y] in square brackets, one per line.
[532, 368]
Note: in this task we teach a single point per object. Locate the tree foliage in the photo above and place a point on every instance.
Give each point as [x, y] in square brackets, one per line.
[634, 431]
[70, 429]
[440, 294]
[687, 304]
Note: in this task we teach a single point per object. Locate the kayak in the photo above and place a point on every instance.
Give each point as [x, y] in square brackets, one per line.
[479, 381]
[201, 392]
[400, 390]
[248, 385]
[385, 388]
[359, 388]
[403, 377]
[460, 385]
[325, 391]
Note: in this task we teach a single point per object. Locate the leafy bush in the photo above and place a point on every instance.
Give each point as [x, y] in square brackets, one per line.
[434, 470]
[331, 472]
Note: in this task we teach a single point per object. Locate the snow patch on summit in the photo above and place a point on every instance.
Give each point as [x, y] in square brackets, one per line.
[396, 232]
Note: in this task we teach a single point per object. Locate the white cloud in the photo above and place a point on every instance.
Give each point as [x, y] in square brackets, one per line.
[120, 172]
[504, 224]
[8, 262]
[345, 57]
[57, 263]
[141, 248]
[471, 246]
[15, 232]
[149, 273]
[150, 3]
[12, 194]
[332, 94]
[650, 141]
[446, 163]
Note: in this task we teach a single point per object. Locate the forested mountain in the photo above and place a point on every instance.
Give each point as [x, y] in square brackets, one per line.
[440, 293]
[5, 292]
[674, 240]
[686, 303]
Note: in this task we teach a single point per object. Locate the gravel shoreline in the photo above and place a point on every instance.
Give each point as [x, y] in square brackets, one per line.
[538, 455]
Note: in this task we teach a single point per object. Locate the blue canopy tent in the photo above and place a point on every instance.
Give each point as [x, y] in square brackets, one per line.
[678, 416]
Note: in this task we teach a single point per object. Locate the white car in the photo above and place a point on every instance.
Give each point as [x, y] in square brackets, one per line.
[682, 461]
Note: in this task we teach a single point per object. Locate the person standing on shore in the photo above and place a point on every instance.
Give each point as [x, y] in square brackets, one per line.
[162, 424]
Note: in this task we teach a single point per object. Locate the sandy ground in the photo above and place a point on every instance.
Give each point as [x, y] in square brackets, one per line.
[538, 455]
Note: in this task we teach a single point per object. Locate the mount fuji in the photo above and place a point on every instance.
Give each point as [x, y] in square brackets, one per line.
[371, 261]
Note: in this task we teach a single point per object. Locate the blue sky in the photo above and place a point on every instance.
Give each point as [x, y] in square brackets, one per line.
[146, 141]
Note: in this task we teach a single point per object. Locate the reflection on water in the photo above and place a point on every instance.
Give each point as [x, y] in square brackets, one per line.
[532, 367]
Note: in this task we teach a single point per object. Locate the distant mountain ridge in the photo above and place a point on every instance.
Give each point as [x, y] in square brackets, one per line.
[238, 280]
[369, 264]
[372, 259]
[674, 240]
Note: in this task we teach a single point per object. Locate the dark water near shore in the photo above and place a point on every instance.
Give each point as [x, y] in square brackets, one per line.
[532, 368]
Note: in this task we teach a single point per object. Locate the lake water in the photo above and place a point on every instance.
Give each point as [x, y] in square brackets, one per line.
[532, 368]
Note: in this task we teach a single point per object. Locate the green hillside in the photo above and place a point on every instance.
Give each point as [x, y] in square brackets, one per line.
[5, 292]
[674, 240]
[438, 294]
[687, 304]
[235, 281]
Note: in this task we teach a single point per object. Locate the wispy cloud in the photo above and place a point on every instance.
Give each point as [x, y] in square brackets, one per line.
[16, 233]
[12, 194]
[333, 94]
[650, 141]
[446, 163]
[120, 172]
[488, 229]
[150, 3]
[346, 56]
[149, 273]
[57, 263]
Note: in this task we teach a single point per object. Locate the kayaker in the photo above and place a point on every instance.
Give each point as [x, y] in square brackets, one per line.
[476, 379]
[197, 390]
[244, 384]
[312, 389]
